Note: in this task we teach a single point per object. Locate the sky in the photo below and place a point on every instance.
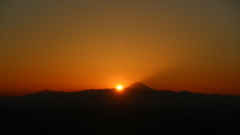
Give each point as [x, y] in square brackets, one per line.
[72, 45]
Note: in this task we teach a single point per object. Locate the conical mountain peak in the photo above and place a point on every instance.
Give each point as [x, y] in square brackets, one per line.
[139, 86]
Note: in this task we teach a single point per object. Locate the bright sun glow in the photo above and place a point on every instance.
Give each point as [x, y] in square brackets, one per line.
[119, 87]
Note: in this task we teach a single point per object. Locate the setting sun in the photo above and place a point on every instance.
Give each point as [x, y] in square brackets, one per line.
[119, 87]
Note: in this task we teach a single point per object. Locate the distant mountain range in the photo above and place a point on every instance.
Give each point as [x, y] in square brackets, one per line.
[138, 109]
[135, 94]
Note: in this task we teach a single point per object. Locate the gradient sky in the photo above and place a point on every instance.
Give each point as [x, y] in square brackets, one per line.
[81, 44]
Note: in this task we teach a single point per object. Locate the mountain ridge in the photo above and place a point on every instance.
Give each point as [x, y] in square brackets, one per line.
[137, 109]
[137, 87]
[136, 94]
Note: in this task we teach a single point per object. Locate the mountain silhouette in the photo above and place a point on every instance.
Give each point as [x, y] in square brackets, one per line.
[45, 92]
[139, 86]
[135, 94]
[138, 109]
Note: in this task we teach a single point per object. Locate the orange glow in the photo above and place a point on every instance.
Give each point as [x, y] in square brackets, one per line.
[119, 88]
[157, 43]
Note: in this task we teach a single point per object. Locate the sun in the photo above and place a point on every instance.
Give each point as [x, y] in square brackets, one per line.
[119, 87]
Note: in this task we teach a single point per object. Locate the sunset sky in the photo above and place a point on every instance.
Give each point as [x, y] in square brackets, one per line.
[73, 45]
